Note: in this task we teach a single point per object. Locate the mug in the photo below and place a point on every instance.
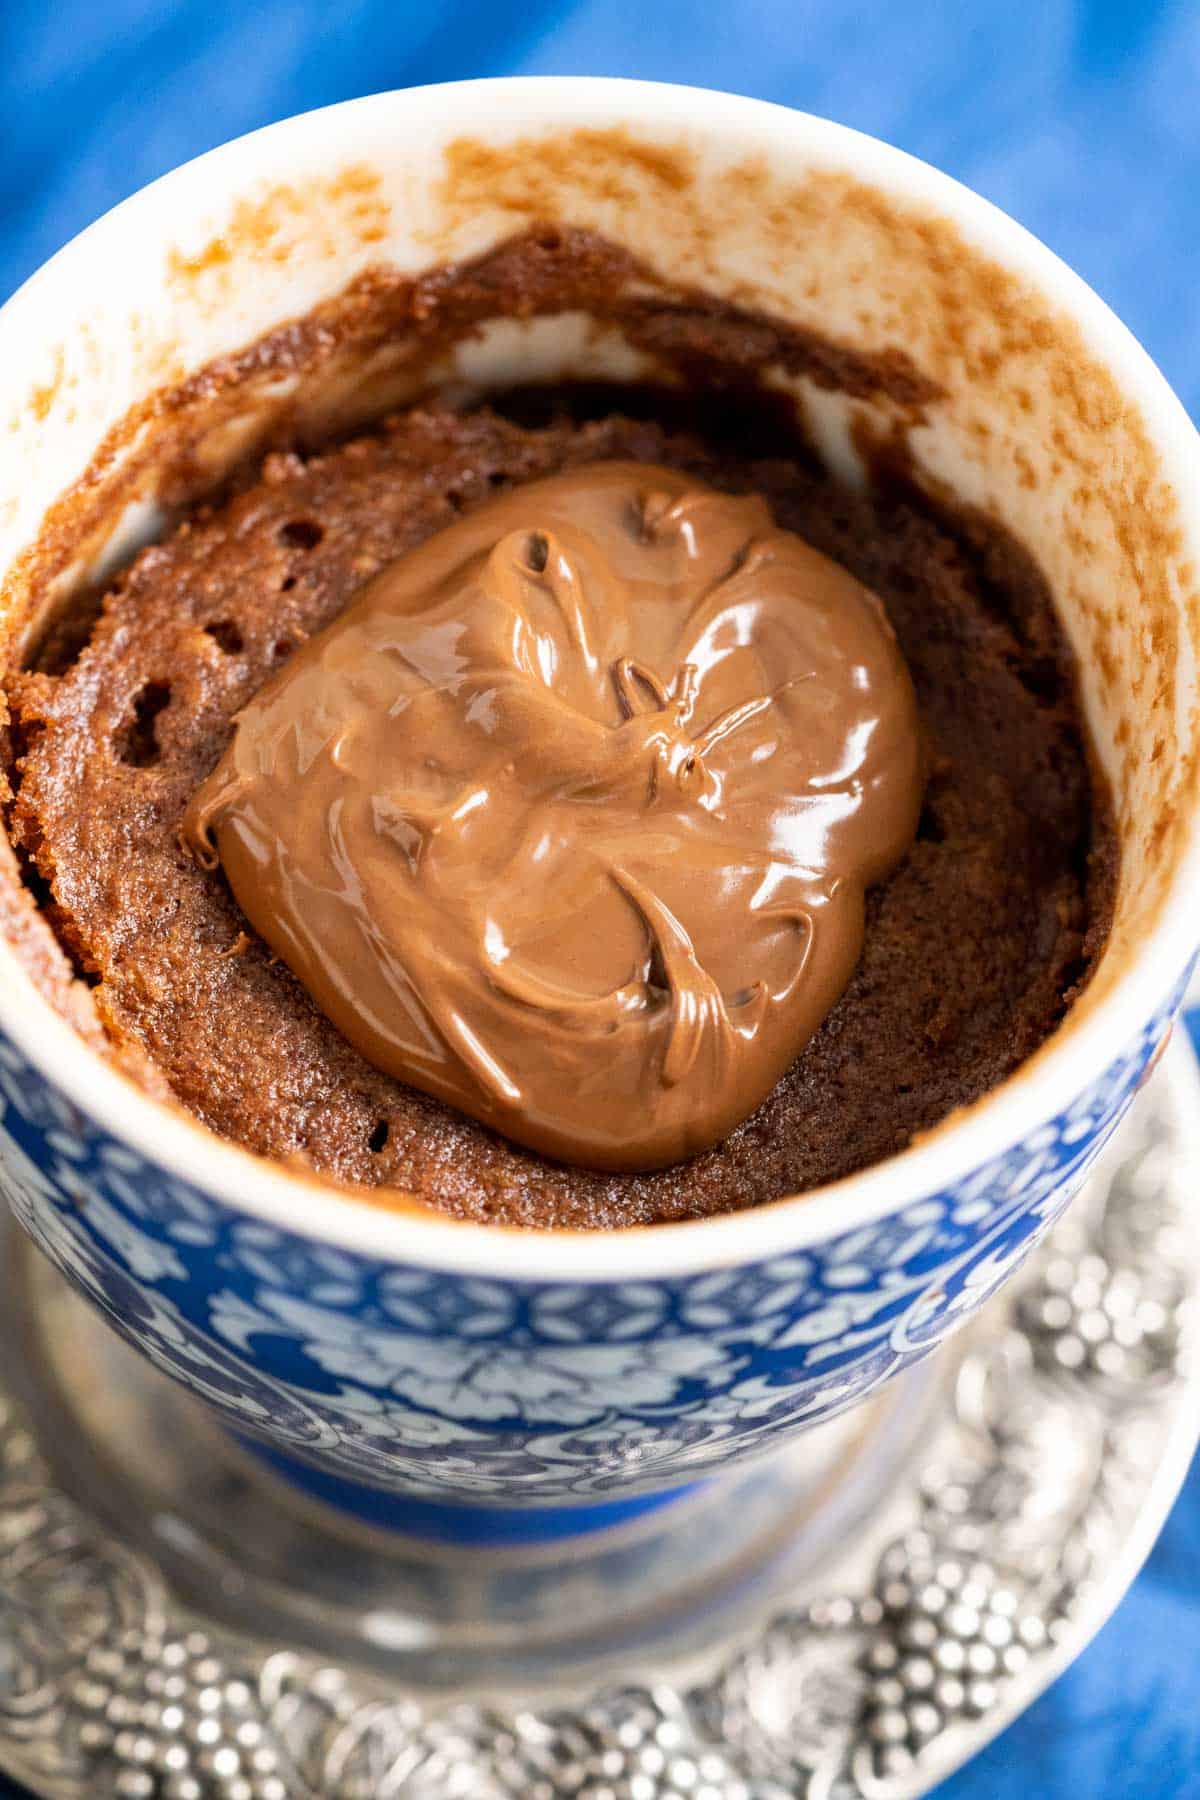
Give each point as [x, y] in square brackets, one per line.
[471, 1366]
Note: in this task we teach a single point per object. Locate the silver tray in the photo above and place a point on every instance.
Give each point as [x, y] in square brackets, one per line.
[870, 1662]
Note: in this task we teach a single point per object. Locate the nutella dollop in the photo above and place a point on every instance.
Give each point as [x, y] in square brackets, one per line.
[567, 820]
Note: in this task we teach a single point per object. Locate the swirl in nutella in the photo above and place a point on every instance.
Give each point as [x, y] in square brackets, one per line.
[568, 819]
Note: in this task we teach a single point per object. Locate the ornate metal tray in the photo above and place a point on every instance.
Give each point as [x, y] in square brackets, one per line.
[1063, 1424]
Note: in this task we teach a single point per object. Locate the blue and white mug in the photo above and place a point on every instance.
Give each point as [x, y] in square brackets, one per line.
[476, 1366]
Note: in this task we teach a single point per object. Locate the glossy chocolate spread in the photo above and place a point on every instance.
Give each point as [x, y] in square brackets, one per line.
[568, 819]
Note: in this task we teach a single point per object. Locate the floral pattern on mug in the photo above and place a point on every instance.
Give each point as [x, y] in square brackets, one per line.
[476, 1389]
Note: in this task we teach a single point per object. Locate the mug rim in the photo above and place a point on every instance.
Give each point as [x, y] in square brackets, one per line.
[1075, 1054]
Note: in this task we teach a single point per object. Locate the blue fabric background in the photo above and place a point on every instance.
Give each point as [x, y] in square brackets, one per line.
[1080, 117]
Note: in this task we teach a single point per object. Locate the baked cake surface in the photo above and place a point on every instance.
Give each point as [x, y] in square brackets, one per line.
[973, 947]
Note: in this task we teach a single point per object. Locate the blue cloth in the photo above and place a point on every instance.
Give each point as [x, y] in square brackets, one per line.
[1080, 117]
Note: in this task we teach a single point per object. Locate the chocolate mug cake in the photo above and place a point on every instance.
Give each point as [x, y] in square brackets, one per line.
[765, 829]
